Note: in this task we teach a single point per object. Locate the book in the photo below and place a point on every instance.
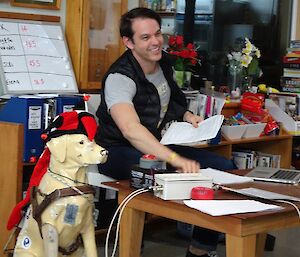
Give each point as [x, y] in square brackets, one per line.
[274, 159]
[291, 65]
[240, 162]
[291, 89]
[244, 158]
[288, 59]
[293, 49]
[263, 161]
[291, 73]
[295, 44]
[293, 54]
[289, 81]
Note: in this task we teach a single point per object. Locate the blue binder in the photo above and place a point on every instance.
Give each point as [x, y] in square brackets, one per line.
[66, 103]
[30, 113]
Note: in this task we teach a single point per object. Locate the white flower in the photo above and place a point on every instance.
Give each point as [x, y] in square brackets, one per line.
[245, 56]
[246, 60]
[257, 52]
[237, 56]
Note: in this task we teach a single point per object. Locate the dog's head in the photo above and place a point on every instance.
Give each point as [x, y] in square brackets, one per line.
[70, 139]
[76, 149]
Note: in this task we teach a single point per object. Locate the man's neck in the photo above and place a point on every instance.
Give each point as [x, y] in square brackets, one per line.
[148, 67]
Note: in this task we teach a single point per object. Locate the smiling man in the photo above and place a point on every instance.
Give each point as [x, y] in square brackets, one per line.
[139, 100]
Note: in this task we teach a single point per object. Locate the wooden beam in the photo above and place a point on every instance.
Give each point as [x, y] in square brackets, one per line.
[298, 21]
[74, 28]
[27, 16]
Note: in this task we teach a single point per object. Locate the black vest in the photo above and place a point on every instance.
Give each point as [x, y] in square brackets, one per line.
[146, 101]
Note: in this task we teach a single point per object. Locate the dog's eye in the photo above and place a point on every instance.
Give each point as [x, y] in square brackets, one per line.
[81, 142]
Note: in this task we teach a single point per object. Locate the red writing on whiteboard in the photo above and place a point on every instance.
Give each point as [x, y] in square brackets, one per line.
[39, 81]
[30, 44]
[34, 63]
[24, 28]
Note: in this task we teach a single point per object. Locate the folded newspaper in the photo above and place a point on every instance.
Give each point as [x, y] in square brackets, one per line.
[185, 133]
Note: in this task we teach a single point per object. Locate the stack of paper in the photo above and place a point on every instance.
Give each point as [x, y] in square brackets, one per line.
[184, 133]
[227, 207]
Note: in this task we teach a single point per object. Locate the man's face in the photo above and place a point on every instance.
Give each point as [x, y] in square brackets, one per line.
[147, 41]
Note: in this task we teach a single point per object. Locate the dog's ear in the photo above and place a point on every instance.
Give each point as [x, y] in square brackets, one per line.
[58, 147]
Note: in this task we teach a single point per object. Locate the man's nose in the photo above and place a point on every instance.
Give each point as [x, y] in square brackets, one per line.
[155, 40]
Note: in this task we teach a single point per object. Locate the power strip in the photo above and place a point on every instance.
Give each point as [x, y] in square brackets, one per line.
[178, 186]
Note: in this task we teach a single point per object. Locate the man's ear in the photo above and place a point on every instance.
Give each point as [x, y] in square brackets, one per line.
[58, 147]
[127, 42]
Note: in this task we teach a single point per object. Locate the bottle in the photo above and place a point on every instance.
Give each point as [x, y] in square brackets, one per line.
[163, 5]
[154, 5]
[145, 3]
[173, 5]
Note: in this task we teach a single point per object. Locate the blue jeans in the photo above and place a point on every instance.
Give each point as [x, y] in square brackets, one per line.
[121, 158]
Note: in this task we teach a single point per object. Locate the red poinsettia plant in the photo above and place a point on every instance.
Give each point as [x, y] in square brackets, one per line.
[186, 55]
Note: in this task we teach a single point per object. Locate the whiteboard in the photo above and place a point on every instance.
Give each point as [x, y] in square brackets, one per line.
[34, 58]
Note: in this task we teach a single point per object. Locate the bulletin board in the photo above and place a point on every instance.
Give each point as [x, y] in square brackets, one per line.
[34, 58]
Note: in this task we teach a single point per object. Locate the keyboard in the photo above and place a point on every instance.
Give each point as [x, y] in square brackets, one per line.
[285, 174]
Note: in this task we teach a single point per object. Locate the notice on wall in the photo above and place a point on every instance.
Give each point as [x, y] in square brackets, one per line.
[34, 59]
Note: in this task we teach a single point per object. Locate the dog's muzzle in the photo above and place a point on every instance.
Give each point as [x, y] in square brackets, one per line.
[104, 152]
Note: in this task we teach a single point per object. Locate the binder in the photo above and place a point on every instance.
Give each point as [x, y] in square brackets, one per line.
[29, 112]
[66, 103]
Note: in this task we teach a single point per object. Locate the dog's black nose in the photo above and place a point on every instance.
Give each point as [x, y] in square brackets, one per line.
[104, 152]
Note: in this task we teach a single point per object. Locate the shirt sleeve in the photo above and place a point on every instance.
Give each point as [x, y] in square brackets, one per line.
[118, 89]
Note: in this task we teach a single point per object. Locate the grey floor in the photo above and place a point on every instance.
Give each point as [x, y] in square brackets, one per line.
[163, 239]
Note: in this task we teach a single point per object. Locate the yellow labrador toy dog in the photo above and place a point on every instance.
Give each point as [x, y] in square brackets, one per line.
[59, 219]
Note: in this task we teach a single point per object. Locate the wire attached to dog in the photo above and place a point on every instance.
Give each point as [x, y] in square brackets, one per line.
[73, 180]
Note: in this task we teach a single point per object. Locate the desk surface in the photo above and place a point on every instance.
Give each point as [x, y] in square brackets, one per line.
[243, 231]
[291, 190]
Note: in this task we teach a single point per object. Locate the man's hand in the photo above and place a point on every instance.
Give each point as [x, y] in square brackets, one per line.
[182, 164]
[192, 118]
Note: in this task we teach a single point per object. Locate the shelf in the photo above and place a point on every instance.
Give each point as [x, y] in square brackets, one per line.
[166, 13]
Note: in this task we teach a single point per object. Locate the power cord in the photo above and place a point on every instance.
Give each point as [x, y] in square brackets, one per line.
[121, 208]
[288, 202]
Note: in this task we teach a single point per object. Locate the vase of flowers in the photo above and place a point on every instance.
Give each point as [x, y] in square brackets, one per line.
[235, 70]
[243, 66]
[186, 59]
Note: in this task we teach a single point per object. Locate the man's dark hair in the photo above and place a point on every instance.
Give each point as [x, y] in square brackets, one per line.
[126, 20]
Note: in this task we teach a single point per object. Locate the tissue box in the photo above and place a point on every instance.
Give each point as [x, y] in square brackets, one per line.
[243, 131]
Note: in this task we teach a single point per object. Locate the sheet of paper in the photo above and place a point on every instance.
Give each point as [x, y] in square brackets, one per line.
[264, 194]
[227, 207]
[183, 132]
[224, 178]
